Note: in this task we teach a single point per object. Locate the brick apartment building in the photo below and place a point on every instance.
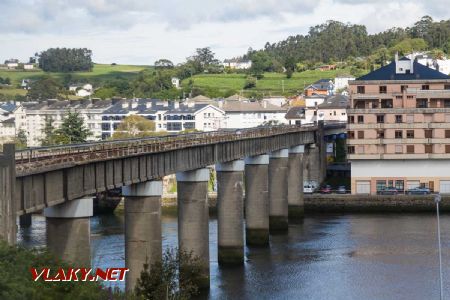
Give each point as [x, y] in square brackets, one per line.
[399, 129]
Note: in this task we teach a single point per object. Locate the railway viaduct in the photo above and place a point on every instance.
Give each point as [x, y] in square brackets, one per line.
[267, 163]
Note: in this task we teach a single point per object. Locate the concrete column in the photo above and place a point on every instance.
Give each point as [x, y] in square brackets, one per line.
[8, 217]
[257, 200]
[278, 190]
[25, 220]
[230, 212]
[143, 242]
[295, 183]
[68, 231]
[193, 218]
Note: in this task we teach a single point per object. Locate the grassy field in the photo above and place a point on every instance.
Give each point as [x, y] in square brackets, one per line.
[272, 83]
[99, 72]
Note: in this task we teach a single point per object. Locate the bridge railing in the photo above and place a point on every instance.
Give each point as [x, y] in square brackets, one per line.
[127, 147]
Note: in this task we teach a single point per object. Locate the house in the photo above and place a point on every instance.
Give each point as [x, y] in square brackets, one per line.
[333, 109]
[341, 82]
[295, 115]
[326, 67]
[176, 82]
[83, 90]
[276, 100]
[247, 114]
[441, 65]
[12, 63]
[28, 66]
[320, 87]
[399, 129]
[12, 119]
[237, 63]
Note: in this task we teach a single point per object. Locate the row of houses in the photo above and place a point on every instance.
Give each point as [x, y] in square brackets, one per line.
[102, 117]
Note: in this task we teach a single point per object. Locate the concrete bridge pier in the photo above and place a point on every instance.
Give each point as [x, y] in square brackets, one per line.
[143, 241]
[230, 212]
[68, 231]
[295, 183]
[25, 220]
[193, 218]
[257, 200]
[278, 190]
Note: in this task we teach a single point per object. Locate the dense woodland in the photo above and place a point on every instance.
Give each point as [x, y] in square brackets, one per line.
[65, 60]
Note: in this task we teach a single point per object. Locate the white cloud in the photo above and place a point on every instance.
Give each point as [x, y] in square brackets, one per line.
[141, 31]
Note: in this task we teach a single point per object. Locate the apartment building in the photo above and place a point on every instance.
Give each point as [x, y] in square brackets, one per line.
[399, 129]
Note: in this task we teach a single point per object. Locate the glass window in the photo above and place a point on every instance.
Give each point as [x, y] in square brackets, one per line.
[351, 149]
[383, 89]
[360, 134]
[380, 118]
[351, 135]
[425, 87]
[381, 185]
[360, 89]
[398, 118]
[390, 183]
[400, 185]
[410, 134]
[398, 134]
[360, 119]
[351, 119]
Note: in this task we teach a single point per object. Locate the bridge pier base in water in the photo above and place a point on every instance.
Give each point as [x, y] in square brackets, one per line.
[257, 200]
[25, 220]
[230, 212]
[193, 217]
[295, 183]
[68, 231]
[278, 190]
[143, 240]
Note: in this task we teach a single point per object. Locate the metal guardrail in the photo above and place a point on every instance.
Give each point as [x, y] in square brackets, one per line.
[31, 158]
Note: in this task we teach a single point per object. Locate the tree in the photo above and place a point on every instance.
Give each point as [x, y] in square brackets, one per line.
[48, 132]
[66, 60]
[204, 60]
[408, 45]
[134, 126]
[261, 62]
[21, 139]
[163, 64]
[72, 130]
[175, 277]
[250, 82]
[45, 88]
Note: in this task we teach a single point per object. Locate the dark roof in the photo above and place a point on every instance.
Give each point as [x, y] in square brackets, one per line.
[8, 106]
[335, 101]
[296, 112]
[156, 105]
[322, 84]
[9, 121]
[419, 72]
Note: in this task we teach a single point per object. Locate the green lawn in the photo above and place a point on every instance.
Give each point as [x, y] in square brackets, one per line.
[271, 82]
[99, 72]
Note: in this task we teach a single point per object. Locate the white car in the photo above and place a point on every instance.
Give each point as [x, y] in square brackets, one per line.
[308, 189]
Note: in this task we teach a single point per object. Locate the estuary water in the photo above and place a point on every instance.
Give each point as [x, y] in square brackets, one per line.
[362, 256]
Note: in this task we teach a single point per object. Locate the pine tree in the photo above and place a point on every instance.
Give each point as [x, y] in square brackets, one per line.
[48, 132]
[72, 130]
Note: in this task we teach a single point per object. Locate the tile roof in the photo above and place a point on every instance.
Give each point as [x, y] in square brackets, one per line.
[8, 106]
[295, 112]
[388, 72]
[248, 106]
[335, 101]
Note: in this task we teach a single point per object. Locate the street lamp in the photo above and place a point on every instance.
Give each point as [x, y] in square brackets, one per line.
[437, 199]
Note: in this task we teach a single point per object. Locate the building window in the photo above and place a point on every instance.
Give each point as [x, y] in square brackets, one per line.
[360, 119]
[398, 134]
[409, 97]
[400, 185]
[351, 135]
[380, 118]
[351, 149]
[403, 88]
[380, 134]
[446, 86]
[386, 104]
[410, 149]
[409, 118]
[425, 87]
[398, 119]
[428, 148]
[360, 89]
[390, 183]
[360, 134]
[381, 185]
[410, 134]
[351, 119]
[383, 89]
[447, 148]
[398, 149]
[447, 134]
[421, 103]
[446, 103]
[428, 133]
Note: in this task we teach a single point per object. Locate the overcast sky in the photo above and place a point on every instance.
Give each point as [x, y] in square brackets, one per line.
[142, 31]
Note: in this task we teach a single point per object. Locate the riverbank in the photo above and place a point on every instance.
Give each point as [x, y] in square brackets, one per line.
[336, 203]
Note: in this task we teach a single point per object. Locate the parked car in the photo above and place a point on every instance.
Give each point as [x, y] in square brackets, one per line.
[308, 189]
[388, 191]
[418, 191]
[341, 189]
[326, 189]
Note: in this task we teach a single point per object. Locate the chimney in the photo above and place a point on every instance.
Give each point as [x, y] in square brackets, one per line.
[166, 103]
[396, 58]
[413, 57]
[134, 104]
[124, 104]
[176, 104]
[148, 104]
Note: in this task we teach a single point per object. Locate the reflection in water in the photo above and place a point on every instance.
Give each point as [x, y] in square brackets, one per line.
[325, 257]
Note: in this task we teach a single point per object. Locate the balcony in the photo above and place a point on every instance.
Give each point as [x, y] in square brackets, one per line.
[399, 156]
[397, 110]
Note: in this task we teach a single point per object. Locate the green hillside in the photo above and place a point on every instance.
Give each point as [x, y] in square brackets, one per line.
[272, 83]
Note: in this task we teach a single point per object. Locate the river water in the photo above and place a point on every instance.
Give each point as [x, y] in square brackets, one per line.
[374, 256]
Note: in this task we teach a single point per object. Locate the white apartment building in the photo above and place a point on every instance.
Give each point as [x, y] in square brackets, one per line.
[247, 114]
[12, 119]
[341, 82]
